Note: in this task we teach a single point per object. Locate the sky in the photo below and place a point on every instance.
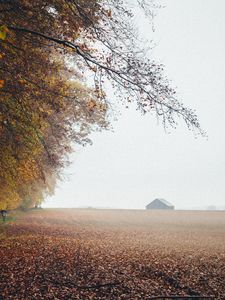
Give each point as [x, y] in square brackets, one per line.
[138, 161]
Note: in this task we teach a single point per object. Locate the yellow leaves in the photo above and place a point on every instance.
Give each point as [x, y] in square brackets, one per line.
[3, 205]
[3, 31]
[41, 109]
[2, 82]
[2, 35]
[28, 170]
[48, 111]
[9, 199]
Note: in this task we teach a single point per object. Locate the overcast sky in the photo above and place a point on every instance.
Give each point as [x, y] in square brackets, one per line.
[138, 162]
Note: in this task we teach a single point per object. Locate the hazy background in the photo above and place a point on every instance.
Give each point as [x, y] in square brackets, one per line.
[138, 162]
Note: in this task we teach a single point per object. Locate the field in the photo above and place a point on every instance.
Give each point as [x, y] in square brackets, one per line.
[112, 254]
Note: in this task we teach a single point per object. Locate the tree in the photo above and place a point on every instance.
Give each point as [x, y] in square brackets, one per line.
[47, 49]
[42, 109]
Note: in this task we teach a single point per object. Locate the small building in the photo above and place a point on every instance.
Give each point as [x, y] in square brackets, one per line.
[160, 203]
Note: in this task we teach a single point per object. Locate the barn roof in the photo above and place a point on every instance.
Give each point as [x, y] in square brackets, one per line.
[163, 201]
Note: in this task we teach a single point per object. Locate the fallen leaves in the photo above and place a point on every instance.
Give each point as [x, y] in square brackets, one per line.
[94, 254]
[2, 82]
[3, 31]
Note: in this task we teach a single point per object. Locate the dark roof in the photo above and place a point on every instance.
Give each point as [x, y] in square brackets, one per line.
[163, 201]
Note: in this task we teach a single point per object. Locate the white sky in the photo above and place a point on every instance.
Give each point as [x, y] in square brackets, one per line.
[138, 162]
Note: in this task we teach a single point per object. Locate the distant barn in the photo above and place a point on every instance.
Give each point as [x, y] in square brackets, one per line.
[159, 204]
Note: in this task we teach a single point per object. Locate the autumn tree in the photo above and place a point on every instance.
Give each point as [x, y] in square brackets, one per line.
[47, 50]
[44, 106]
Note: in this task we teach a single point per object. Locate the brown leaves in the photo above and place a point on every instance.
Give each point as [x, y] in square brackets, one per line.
[109, 13]
[97, 254]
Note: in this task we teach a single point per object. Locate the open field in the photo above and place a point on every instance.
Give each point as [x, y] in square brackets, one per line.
[112, 254]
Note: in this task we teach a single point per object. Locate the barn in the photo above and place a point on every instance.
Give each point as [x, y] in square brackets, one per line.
[160, 203]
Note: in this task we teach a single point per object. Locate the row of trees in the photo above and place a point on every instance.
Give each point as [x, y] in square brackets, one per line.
[44, 103]
[48, 50]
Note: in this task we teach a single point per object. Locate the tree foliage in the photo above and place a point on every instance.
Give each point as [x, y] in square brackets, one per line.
[47, 50]
[44, 104]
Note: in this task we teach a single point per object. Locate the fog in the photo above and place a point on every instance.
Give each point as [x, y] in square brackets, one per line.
[139, 161]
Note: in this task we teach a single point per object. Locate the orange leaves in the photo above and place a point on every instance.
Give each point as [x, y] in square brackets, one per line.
[2, 82]
[22, 81]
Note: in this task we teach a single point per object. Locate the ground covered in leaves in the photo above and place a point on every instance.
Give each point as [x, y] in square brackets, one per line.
[112, 254]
